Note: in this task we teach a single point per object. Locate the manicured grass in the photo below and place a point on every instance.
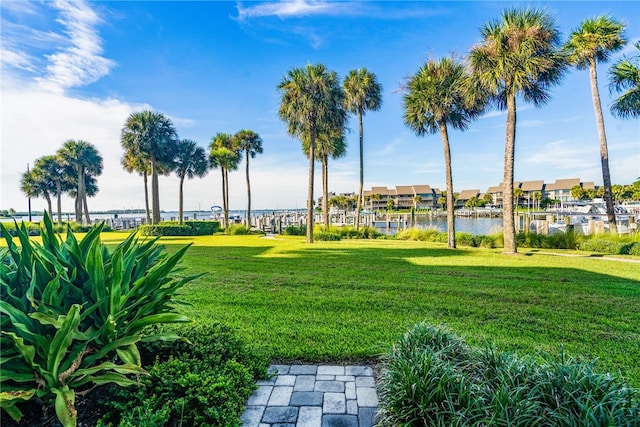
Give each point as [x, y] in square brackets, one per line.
[350, 300]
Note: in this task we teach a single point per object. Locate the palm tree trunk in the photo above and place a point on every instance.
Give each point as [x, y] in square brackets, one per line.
[604, 151]
[155, 197]
[77, 202]
[81, 190]
[325, 191]
[359, 203]
[59, 206]
[146, 197]
[48, 199]
[312, 153]
[225, 208]
[509, 160]
[180, 200]
[451, 225]
[86, 208]
[248, 191]
[226, 192]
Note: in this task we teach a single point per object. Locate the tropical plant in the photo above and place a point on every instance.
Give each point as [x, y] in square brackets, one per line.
[251, 143]
[577, 192]
[362, 92]
[34, 183]
[84, 160]
[625, 75]
[51, 169]
[72, 314]
[224, 154]
[190, 161]
[130, 162]
[151, 137]
[438, 96]
[311, 104]
[592, 43]
[519, 55]
[327, 144]
[431, 377]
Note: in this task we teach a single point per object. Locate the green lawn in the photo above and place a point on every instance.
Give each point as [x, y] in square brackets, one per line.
[349, 300]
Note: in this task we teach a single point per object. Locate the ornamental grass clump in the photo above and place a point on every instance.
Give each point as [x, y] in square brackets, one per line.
[432, 377]
[72, 314]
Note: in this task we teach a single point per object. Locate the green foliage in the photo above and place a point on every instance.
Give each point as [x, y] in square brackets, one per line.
[349, 232]
[33, 228]
[435, 377]
[73, 312]
[610, 246]
[237, 230]
[295, 230]
[432, 234]
[174, 228]
[204, 228]
[165, 230]
[326, 236]
[201, 381]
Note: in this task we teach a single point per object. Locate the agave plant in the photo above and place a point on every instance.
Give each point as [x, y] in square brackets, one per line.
[72, 313]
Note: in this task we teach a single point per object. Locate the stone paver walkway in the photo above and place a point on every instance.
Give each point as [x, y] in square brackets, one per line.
[314, 396]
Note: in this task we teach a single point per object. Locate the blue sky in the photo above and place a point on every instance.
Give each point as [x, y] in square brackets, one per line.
[76, 70]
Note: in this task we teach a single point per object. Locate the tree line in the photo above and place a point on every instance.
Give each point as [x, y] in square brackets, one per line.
[519, 57]
[151, 148]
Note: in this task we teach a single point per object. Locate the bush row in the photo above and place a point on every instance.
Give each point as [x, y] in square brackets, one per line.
[200, 382]
[33, 228]
[432, 377]
[610, 244]
[174, 228]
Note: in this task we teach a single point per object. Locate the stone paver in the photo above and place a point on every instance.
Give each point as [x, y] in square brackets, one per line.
[314, 396]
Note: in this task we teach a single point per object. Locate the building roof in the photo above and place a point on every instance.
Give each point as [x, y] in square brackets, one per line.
[467, 194]
[532, 185]
[496, 189]
[383, 191]
[404, 190]
[422, 189]
[563, 184]
[587, 185]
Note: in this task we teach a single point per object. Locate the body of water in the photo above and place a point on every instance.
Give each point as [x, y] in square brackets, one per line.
[478, 226]
[470, 225]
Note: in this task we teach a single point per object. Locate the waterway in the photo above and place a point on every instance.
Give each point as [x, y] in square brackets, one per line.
[472, 225]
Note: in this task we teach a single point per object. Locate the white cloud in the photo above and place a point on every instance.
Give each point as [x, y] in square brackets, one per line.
[294, 8]
[80, 62]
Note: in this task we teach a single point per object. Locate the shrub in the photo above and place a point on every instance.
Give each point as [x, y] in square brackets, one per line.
[72, 314]
[432, 377]
[237, 230]
[326, 236]
[202, 382]
[295, 230]
[165, 230]
[203, 228]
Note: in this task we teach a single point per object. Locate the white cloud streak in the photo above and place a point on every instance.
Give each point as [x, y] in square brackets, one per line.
[287, 9]
[80, 62]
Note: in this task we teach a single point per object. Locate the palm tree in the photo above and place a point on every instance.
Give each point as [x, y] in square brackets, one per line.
[223, 154]
[362, 92]
[625, 74]
[190, 161]
[593, 42]
[83, 159]
[131, 162]
[519, 55]
[52, 169]
[437, 97]
[152, 136]
[34, 184]
[327, 144]
[251, 143]
[312, 103]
